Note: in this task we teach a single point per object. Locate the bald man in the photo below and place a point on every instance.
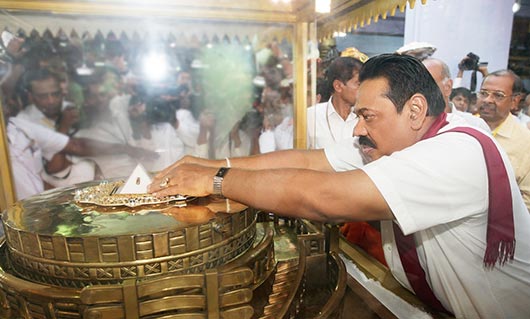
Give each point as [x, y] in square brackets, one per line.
[441, 74]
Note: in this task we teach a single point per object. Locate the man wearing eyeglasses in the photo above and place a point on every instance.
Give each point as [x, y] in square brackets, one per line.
[44, 91]
[500, 92]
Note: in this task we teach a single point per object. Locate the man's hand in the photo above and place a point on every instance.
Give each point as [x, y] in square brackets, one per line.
[483, 69]
[14, 47]
[185, 179]
[69, 117]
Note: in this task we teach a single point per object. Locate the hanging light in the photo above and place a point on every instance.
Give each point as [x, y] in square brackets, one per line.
[516, 6]
[323, 6]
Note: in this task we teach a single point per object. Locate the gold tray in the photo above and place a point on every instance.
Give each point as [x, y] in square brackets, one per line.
[52, 239]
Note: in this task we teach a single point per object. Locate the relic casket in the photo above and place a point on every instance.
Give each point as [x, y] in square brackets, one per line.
[63, 257]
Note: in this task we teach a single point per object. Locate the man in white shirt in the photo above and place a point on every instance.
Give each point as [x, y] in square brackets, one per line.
[437, 187]
[332, 121]
[106, 130]
[29, 144]
[34, 149]
[47, 110]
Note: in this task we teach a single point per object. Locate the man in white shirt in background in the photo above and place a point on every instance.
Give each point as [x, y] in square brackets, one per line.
[333, 120]
[47, 110]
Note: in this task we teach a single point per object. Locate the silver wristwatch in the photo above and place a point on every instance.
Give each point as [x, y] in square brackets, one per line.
[218, 181]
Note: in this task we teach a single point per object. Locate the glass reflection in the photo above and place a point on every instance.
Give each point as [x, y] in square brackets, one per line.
[117, 101]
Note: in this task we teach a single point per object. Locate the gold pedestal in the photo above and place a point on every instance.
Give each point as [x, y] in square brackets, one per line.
[211, 259]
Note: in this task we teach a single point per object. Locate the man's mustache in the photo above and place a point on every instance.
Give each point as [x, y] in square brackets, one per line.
[363, 140]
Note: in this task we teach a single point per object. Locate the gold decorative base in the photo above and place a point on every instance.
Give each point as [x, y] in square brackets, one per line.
[256, 285]
[211, 259]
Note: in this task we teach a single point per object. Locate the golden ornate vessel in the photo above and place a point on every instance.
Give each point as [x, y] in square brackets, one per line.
[212, 258]
[104, 194]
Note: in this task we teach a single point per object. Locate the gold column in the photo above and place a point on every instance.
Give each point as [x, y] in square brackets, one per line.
[300, 84]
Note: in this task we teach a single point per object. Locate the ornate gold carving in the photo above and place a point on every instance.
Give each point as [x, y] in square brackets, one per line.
[79, 274]
[104, 194]
[227, 282]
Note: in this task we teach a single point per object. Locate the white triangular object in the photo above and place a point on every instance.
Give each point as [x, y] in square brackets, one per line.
[137, 182]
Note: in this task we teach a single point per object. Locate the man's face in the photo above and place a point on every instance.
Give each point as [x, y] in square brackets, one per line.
[495, 99]
[97, 98]
[461, 102]
[47, 96]
[136, 108]
[381, 130]
[348, 91]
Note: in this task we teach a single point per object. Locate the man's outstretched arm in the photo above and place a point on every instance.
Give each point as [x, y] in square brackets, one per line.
[302, 193]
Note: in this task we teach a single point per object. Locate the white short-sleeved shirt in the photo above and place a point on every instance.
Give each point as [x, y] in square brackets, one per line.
[165, 142]
[325, 126]
[188, 129]
[80, 169]
[438, 190]
[283, 134]
[267, 142]
[28, 145]
[345, 155]
[111, 166]
[32, 114]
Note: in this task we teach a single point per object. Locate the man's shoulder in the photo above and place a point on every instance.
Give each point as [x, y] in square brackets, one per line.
[512, 129]
[319, 106]
[29, 111]
[473, 120]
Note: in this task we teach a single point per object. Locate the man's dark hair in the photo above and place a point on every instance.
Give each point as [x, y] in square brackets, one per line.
[517, 87]
[405, 76]
[38, 75]
[465, 92]
[341, 69]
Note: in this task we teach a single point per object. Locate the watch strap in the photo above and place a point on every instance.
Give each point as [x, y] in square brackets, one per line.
[218, 181]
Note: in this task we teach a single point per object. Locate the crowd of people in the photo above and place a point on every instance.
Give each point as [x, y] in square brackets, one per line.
[92, 112]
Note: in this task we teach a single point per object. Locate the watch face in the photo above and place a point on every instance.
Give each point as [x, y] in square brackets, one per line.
[222, 171]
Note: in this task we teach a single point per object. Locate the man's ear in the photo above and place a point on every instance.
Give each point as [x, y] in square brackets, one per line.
[516, 99]
[337, 85]
[31, 99]
[416, 108]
